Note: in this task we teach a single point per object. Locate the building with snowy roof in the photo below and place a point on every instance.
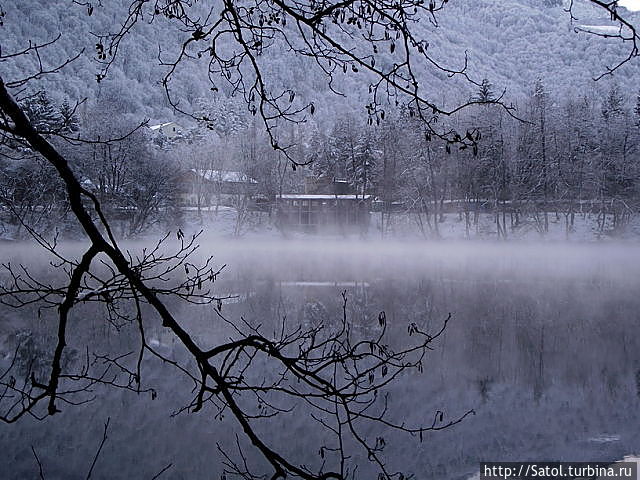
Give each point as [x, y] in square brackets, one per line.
[208, 187]
[326, 205]
[168, 129]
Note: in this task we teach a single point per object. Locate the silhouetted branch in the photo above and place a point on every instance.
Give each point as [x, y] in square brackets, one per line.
[35, 455]
[102, 442]
[339, 37]
[161, 472]
[626, 33]
[326, 370]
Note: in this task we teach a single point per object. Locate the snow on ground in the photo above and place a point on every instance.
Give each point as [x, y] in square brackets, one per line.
[225, 223]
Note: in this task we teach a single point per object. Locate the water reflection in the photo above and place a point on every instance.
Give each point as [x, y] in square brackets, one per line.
[543, 345]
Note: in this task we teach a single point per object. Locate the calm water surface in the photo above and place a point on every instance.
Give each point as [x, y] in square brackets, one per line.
[543, 344]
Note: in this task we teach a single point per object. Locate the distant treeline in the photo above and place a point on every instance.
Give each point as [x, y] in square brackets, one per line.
[562, 155]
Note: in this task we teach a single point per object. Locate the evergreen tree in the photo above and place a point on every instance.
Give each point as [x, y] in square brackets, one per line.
[485, 93]
[319, 155]
[42, 112]
[343, 147]
[362, 171]
[615, 168]
[69, 118]
[613, 105]
[533, 170]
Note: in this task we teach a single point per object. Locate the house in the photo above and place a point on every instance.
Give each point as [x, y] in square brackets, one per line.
[168, 129]
[208, 187]
[326, 205]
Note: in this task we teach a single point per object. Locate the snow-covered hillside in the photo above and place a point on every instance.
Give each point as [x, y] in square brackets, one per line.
[510, 42]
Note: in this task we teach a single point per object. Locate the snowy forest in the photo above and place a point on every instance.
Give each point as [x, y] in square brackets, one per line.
[561, 157]
[559, 150]
[317, 239]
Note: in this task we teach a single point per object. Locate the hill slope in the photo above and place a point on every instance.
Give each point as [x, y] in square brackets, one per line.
[510, 42]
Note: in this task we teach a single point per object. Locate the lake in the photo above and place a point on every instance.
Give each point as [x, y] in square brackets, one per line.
[543, 345]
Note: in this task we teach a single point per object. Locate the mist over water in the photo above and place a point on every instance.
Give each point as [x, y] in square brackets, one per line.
[542, 344]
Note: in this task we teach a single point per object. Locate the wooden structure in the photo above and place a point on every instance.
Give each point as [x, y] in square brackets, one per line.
[324, 212]
[326, 205]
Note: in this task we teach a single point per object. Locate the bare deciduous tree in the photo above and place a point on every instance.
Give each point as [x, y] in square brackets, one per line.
[329, 371]
[338, 377]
